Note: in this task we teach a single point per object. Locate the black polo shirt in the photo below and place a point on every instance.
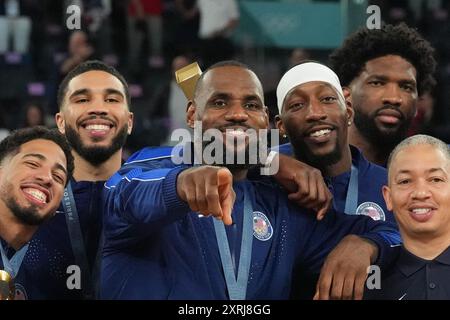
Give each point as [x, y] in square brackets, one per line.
[413, 278]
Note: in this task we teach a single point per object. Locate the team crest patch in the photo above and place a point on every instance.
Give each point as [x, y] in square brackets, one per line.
[372, 210]
[262, 229]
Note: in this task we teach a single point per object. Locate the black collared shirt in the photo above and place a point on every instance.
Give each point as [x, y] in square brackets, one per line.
[413, 278]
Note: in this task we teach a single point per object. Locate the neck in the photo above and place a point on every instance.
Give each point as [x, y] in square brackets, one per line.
[15, 233]
[371, 152]
[343, 165]
[85, 171]
[426, 248]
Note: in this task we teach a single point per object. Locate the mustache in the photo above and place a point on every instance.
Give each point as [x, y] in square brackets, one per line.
[391, 107]
[93, 117]
[318, 123]
[38, 183]
[234, 124]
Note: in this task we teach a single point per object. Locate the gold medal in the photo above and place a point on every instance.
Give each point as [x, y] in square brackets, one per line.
[187, 79]
[6, 286]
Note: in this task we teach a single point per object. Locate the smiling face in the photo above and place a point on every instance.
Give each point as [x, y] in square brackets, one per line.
[94, 116]
[230, 99]
[419, 192]
[316, 123]
[32, 181]
[384, 98]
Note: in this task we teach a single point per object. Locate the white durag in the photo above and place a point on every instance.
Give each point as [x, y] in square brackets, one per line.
[303, 73]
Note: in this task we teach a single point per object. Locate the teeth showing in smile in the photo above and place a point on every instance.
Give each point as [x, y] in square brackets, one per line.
[97, 127]
[235, 132]
[420, 211]
[36, 194]
[320, 133]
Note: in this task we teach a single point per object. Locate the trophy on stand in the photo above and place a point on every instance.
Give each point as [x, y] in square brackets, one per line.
[187, 78]
[6, 286]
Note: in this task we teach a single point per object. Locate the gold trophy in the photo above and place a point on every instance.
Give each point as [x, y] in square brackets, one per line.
[187, 78]
[6, 286]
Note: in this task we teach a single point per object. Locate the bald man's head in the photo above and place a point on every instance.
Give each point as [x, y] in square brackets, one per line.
[416, 140]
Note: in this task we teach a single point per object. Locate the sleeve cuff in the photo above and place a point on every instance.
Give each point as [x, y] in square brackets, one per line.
[171, 199]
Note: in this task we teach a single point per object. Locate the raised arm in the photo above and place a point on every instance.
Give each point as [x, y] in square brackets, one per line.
[141, 203]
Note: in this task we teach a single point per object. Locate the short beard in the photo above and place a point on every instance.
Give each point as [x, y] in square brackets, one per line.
[236, 163]
[96, 155]
[27, 216]
[384, 142]
[304, 154]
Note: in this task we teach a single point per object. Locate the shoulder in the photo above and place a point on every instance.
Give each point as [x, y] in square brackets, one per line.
[367, 170]
[150, 164]
[150, 154]
[285, 149]
[376, 173]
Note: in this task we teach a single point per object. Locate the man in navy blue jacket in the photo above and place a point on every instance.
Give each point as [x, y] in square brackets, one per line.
[94, 116]
[35, 166]
[315, 114]
[160, 241]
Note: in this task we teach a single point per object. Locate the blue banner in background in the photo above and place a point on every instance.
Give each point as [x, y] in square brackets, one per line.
[291, 24]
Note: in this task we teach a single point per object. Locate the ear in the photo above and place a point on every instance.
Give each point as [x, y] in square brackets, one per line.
[348, 105]
[190, 114]
[279, 124]
[60, 122]
[130, 122]
[387, 197]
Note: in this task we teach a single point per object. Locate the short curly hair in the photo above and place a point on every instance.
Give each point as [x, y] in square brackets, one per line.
[349, 60]
[11, 144]
[90, 65]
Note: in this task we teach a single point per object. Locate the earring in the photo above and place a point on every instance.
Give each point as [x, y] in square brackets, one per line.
[349, 123]
[284, 136]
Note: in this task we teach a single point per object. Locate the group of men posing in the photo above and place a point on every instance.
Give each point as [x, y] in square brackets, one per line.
[155, 229]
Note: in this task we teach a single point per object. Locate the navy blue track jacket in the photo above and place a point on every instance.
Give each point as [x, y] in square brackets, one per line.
[157, 248]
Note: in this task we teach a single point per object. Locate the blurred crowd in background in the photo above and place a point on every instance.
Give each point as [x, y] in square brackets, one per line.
[146, 40]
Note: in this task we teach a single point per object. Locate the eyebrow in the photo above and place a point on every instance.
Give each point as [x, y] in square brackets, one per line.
[114, 91]
[320, 87]
[431, 170]
[252, 97]
[41, 157]
[223, 95]
[86, 91]
[385, 78]
[411, 82]
[79, 92]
